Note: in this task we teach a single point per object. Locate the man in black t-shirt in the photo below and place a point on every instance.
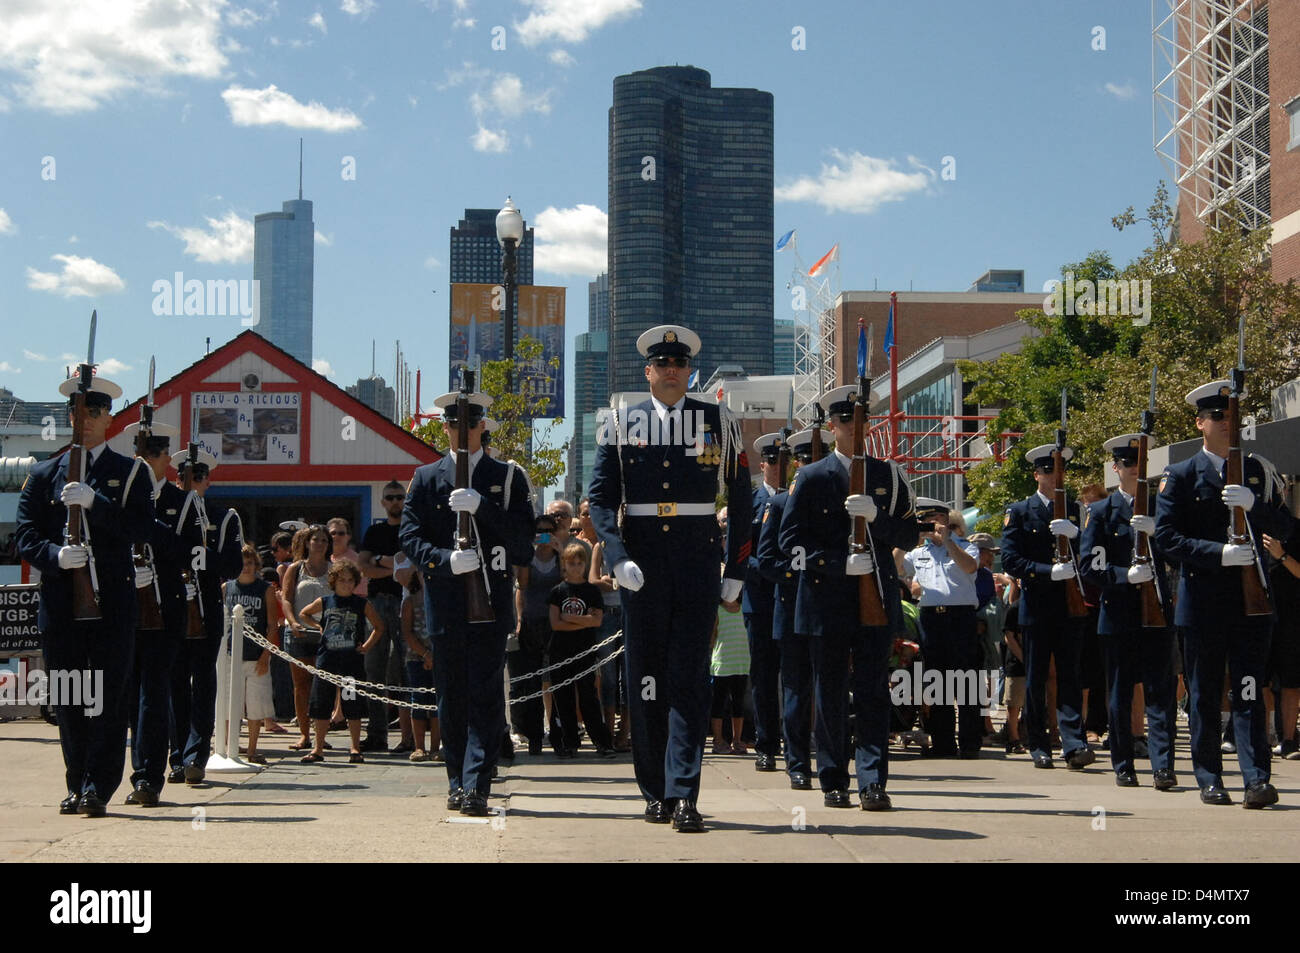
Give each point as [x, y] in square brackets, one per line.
[379, 548]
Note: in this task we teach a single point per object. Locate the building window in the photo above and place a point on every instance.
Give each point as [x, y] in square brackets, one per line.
[1293, 111]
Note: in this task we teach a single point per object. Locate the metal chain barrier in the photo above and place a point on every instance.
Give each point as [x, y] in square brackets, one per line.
[360, 687]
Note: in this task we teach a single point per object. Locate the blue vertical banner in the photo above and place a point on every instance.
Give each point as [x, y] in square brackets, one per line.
[889, 330]
[862, 349]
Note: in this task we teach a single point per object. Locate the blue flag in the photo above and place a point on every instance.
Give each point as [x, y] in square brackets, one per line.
[780, 242]
[889, 330]
[694, 378]
[862, 350]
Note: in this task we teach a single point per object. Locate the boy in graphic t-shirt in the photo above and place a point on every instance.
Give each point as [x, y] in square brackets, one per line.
[576, 609]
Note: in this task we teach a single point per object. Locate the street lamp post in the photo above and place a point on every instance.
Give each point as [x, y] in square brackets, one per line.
[510, 230]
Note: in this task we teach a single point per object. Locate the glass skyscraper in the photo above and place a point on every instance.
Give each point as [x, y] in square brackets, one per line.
[476, 253]
[690, 219]
[284, 266]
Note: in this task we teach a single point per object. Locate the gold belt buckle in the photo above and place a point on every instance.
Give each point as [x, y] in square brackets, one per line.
[666, 509]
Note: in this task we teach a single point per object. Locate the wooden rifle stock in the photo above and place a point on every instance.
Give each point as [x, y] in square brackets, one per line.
[147, 598]
[1153, 610]
[478, 603]
[1075, 605]
[871, 605]
[85, 600]
[1254, 595]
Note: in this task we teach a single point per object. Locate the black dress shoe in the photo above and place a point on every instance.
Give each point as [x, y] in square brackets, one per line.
[1126, 779]
[176, 776]
[972, 755]
[656, 812]
[765, 762]
[373, 744]
[1080, 758]
[92, 806]
[70, 803]
[1165, 780]
[1043, 761]
[143, 795]
[474, 804]
[836, 799]
[1215, 794]
[535, 748]
[1260, 794]
[454, 799]
[193, 774]
[686, 819]
[800, 781]
[875, 799]
[937, 752]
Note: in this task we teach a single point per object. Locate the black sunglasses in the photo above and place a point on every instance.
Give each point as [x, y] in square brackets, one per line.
[394, 496]
[1213, 414]
[670, 361]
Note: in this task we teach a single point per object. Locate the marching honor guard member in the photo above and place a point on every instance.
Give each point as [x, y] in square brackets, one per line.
[1029, 544]
[1219, 625]
[817, 532]
[1136, 653]
[90, 631]
[757, 605]
[663, 464]
[798, 691]
[944, 566]
[212, 538]
[468, 590]
[156, 649]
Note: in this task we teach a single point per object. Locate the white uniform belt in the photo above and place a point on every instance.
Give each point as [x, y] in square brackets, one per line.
[670, 509]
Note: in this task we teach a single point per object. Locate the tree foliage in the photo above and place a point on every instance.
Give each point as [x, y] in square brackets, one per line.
[1104, 362]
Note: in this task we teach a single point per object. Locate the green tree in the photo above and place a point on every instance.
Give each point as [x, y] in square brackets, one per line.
[515, 409]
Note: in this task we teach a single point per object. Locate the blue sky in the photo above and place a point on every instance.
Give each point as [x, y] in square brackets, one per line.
[170, 125]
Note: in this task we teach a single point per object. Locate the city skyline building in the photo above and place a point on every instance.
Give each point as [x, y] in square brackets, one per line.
[476, 253]
[284, 266]
[690, 219]
[374, 392]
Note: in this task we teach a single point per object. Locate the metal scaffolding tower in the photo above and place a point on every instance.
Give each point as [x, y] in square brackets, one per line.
[1209, 75]
[814, 331]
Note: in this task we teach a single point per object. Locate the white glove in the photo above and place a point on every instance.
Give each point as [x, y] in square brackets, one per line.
[1237, 554]
[1143, 524]
[464, 501]
[464, 560]
[1063, 528]
[1062, 571]
[628, 575]
[191, 591]
[859, 564]
[143, 577]
[1139, 573]
[79, 494]
[1234, 494]
[73, 557]
[731, 589]
[861, 506]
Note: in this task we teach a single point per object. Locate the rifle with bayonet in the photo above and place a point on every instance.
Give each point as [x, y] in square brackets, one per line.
[85, 581]
[194, 605]
[1153, 610]
[783, 454]
[478, 602]
[1075, 605]
[149, 599]
[1254, 587]
[871, 596]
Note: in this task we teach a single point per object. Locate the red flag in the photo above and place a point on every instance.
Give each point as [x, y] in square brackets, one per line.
[832, 255]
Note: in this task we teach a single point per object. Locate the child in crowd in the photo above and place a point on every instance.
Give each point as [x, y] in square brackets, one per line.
[262, 612]
[419, 669]
[342, 617]
[576, 610]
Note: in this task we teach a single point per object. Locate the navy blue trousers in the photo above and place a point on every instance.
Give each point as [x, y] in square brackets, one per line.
[1063, 639]
[469, 665]
[797, 701]
[869, 647]
[950, 643]
[1141, 657]
[764, 673]
[194, 696]
[1242, 645]
[151, 690]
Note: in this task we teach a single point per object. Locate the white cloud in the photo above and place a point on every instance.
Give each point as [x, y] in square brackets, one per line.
[464, 23]
[857, 183]
[561, 58]
[68, 58]
[432, 262]
[1127, 91]
[7, 368]
[318, 21]
[80, 276]
[225, 239]
[458, 77]
[265, 107]
[358, 8]
[571, 241]
[570, 21]
[506, 96]
[73, 239]
[413, 100]
[322, 239]
[7, 226]
[112, 365]
[33, 356]
[242, 17]
[489, 140]
[322, 367]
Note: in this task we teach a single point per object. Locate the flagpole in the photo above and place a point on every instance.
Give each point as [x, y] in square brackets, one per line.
[893, 377]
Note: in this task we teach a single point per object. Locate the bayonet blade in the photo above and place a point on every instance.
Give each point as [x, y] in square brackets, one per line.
[149, 400]
[1151, 403]
[90, 348]
[1241, 341]
[789, 411]
[1064, 407]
